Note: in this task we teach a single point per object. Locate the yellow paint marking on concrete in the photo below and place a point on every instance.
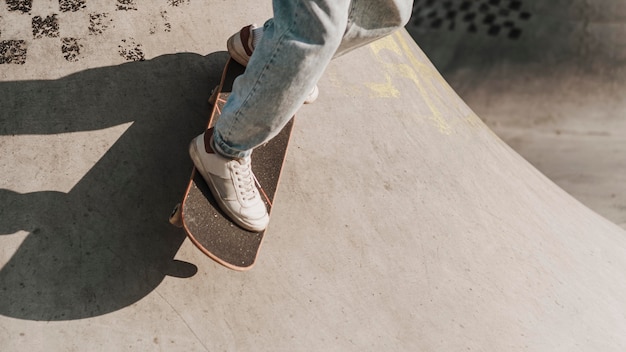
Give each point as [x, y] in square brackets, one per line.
[386, 43]
[424, 69]
[417, 72]
[429, 71]
[349, 90]
[384, 90]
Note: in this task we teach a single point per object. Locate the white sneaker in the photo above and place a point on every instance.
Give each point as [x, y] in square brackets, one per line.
[232, 184]
[241, 45]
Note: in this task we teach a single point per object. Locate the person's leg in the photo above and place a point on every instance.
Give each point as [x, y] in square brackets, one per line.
[297, 45]
[369, 20]
[293, 52]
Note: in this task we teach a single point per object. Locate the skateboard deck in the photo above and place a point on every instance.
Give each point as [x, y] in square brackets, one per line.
[206, 225]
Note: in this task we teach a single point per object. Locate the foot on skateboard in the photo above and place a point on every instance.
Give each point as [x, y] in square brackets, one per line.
[210, 228]
[231, 182]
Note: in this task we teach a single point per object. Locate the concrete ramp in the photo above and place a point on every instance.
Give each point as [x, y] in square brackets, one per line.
[402, 223]
[548, 77]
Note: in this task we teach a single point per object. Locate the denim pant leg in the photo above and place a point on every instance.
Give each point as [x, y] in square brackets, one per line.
[296, 47]
[369, 20]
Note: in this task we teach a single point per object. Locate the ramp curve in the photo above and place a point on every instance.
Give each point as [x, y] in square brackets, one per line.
[401, 223]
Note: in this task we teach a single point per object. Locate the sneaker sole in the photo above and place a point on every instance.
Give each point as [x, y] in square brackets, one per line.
[234, 53]
[193, 152]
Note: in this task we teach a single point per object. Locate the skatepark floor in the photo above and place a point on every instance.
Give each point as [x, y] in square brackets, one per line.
[548, 78]
[402, 221]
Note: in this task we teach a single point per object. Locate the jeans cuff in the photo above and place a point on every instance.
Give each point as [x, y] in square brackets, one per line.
[222, 148]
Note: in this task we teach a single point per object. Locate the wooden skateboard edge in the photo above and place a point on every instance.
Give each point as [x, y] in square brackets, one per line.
[197, 244]
[177, 218]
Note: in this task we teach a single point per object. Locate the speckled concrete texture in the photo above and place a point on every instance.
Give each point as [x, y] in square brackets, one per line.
[402, 222]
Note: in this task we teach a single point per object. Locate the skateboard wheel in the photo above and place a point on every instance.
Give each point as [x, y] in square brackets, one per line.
[214, 94]
[176, 218]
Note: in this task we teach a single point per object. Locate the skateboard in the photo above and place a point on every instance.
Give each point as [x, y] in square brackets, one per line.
[206, 225]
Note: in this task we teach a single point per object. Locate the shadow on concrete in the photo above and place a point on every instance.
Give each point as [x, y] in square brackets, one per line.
[107, 243]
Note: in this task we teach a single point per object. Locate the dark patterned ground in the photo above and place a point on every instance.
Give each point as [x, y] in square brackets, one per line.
[493, 17]
[504, 18]
[15, 50]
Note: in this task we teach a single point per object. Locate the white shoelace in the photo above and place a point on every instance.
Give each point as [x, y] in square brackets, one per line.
[245, 180]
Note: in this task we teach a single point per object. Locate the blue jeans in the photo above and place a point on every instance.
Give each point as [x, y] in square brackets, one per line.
[296, 47]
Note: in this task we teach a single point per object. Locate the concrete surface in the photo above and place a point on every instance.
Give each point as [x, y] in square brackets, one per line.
[425, 233]
[548, 77]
